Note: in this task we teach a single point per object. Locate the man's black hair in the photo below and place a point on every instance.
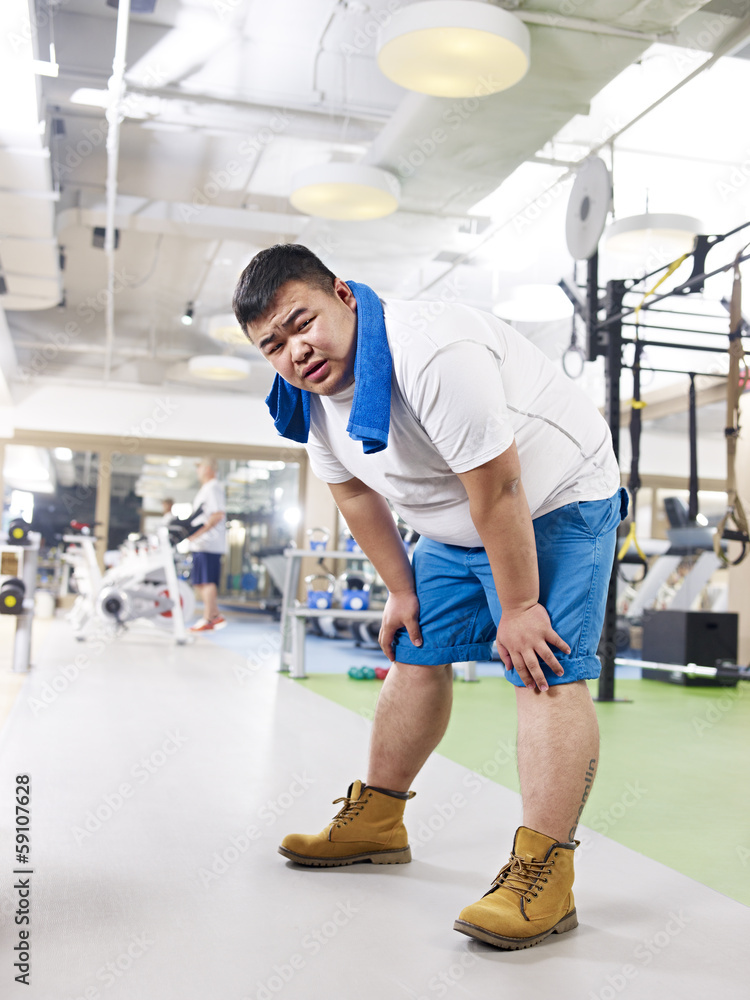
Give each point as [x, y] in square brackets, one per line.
[270, 269]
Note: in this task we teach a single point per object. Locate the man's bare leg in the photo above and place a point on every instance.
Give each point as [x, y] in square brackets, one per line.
[558, 752]
[410, 719]
[210, 601]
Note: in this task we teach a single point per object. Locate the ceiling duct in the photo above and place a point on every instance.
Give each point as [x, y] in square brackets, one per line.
[28, 247]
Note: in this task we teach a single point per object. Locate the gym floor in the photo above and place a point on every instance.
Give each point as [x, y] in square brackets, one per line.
[163, 778]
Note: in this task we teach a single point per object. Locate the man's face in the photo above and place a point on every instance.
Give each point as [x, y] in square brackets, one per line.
[205, 472]
[310, 337]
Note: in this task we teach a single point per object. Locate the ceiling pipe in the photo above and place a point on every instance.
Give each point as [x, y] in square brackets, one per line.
[122, 352]
[116, 87]
[590, 27]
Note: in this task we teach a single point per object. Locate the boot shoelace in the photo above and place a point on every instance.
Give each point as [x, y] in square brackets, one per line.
[349, 810]
[523, 877]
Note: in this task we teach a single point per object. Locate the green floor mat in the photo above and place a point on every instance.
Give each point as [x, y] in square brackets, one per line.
[673, 775]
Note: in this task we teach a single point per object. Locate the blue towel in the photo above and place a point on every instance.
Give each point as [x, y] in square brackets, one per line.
[370, 416]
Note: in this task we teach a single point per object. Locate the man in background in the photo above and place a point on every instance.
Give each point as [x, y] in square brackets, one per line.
[208, 544]
[166, 511]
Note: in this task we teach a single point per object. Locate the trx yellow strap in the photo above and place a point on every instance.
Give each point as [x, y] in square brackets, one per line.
[735, 511]
[634, 481]
[630, 539]
[670, 270]
[635, 426]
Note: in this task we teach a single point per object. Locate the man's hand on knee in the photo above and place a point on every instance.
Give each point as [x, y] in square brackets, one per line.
[401, 610]
[523, 639]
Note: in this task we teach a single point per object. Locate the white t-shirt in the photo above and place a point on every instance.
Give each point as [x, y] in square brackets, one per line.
[464, 386]
[213, 498]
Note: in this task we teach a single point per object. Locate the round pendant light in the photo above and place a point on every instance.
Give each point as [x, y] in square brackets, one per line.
[345, 191]
[226, 329]
[219, 367]
[454, 48]
[638, 234]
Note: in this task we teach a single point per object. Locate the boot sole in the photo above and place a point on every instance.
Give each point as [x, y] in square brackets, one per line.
[568, 923]
[400, 857]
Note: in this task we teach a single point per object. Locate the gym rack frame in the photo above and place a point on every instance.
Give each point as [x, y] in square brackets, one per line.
[604, 338]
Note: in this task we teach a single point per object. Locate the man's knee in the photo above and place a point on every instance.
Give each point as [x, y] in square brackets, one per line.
[422, 672]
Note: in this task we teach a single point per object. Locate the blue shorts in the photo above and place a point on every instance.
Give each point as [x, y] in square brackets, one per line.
[206, 568]
[459, 610]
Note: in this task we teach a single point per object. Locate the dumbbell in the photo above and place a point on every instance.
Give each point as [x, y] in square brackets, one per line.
[12, 592]
[18, 531]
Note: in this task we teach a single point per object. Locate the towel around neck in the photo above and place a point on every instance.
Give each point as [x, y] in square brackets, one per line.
[370, 415]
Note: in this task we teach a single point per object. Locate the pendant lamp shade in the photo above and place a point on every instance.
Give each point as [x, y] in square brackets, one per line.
[638, 233]
[345, 191]
[454, 48]
[219, 367]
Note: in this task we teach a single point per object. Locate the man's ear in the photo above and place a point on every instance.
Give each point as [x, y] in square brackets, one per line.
[344, 292]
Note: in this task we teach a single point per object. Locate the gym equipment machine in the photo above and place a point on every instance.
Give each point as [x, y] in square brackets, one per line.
[142, 586]
[19, 556]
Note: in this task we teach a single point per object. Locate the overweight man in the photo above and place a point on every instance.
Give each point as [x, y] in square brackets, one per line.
[506, 469]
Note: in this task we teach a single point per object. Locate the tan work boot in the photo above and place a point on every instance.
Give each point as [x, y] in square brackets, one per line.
[531, 897]
[369, 827]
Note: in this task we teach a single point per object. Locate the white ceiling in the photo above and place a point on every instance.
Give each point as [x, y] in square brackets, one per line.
[228, 98]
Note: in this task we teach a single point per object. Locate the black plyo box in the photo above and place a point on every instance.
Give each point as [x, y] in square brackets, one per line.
[683, 637]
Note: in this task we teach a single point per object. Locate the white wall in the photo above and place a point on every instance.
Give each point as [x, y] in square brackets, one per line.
[142, 413]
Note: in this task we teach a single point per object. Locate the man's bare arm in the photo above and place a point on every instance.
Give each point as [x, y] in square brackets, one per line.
[371, 523]
[216, 518]
[501, 515]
